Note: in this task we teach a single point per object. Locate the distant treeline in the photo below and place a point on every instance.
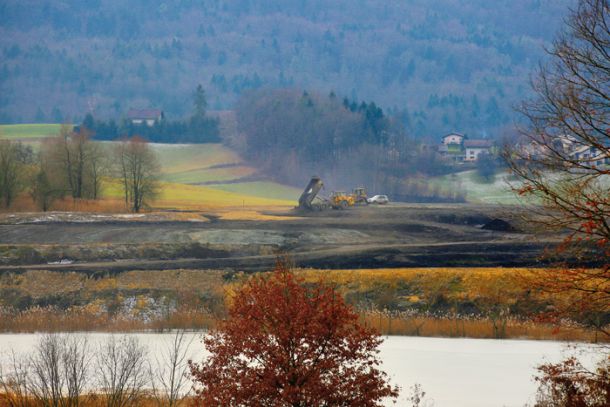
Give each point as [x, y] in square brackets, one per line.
[309, 126]
[199, 128]
[194, 130]
[444, 65]
[290, 135]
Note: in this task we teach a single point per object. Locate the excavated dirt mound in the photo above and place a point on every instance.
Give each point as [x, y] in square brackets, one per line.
[499, 225]
[395, 235]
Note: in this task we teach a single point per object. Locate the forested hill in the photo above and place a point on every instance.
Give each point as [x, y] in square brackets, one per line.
[443, 64]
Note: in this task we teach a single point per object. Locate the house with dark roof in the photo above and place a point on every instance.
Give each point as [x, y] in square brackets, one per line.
[460, 148]
[474, 148]
[147, 116]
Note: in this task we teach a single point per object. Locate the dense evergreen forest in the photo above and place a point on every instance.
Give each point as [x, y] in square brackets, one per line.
[438, 66]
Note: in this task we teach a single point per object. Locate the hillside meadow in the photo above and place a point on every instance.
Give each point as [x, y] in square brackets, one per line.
[200, 163]
[496, 191]
[28, 131]
[193, 177]
[200, 176]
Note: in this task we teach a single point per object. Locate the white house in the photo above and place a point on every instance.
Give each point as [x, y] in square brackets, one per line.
[453, 138]
[148, 116]
[473, 148]
[590, 156]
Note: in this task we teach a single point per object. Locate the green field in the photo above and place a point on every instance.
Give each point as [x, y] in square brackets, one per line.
[200, 163]
[496, 192]
[263, 189]
[216, 164]
[222, 169]
[28, 131]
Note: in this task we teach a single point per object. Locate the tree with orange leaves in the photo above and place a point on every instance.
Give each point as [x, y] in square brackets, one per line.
[564, 161]
[288, 344]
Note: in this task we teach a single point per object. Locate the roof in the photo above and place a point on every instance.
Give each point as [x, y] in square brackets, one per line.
[147, 114]
[453, 134]
[477, 144]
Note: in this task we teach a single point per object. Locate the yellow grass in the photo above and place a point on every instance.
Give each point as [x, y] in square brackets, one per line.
[472, 281]
[189, 286]
[89, 400]
[41, 283]
[472, 328]
[192, 197]
[24, 203]
[200, 163]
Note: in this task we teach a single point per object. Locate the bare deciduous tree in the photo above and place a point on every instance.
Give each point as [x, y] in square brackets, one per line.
[46, 186]
[14, 384]
[169, 380]
[138, 168]
[47, 381]
[78, 160]
[76, 361]
[122, 371]
[13, 160]
[564, 161]
[59, 370]
[97, 167]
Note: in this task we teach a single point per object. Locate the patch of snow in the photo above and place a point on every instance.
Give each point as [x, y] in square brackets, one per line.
[62, 261]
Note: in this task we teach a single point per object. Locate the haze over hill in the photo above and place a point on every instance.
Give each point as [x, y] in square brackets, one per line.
[443, 65]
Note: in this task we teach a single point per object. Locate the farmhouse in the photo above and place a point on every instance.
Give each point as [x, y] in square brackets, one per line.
[567, 146]
[453, 138]
[147, 116]
[473, 148]
[590, 156]
[459, 148]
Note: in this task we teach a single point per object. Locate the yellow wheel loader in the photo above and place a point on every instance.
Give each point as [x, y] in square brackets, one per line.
[310, 199]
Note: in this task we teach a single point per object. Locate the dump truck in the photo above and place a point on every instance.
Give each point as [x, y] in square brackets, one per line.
[310, 199]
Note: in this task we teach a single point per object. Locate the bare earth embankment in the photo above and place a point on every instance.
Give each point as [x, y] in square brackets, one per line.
[397, 235]
[430, 270]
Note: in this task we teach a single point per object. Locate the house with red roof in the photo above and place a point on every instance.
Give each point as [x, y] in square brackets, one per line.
[147, 116]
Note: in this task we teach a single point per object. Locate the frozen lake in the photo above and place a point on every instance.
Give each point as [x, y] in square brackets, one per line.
[452, 372]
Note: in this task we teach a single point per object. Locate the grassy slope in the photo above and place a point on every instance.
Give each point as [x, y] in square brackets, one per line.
[25, 131]
[270, 190]
[194, 197]
[497, 192]
[185, 165]
[199, 163]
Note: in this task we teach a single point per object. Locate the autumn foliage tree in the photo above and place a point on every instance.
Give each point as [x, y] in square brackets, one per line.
[288, 344]
[564, 160]
[571, 384]
[564, 163]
